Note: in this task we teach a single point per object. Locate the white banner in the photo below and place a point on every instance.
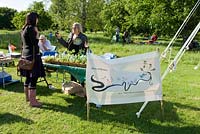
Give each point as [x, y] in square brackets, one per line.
[123, 80]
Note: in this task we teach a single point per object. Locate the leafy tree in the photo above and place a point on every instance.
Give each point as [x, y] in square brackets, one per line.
[141, 16]
[94, 21]
[59, 11]
[19, 19]
[6, 16]
[114, 15]
[45, 20]
[139, 19]
[66, 12]
[182, 8]
[167, 16]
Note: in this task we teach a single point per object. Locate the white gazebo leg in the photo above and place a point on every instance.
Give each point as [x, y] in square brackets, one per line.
[141, 109]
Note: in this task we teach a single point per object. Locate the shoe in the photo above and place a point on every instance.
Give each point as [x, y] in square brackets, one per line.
[33, 100]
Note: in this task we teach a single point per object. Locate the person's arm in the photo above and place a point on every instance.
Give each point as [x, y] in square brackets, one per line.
[33, 35]
[40, 46]
[63, 42]
[45, 46]
[86, 45]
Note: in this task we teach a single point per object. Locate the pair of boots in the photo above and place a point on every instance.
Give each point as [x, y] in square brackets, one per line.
[30, 95]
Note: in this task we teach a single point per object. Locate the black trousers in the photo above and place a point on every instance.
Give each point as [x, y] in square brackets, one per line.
[31, 82]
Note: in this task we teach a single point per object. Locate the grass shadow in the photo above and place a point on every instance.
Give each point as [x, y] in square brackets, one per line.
[8, 118]
[41, 90]
[14, 87]
[144, 126]
[125, 114]
[76, 106]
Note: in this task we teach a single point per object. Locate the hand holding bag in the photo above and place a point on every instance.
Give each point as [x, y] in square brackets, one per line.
[25, 64]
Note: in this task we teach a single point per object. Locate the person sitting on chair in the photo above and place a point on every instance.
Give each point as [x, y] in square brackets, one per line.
[11, 48]
[11, 51]
[45, 45]
[154, 37]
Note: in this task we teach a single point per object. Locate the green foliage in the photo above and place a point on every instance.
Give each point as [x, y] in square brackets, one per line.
[19, 19]
[6, 15]
[114, 15]
[45, 20]
[149, 16]
[86, 12]
[60, 13]
[139, 11]
[167, 17]
[93, 20]
[67, 57]
[36, 6]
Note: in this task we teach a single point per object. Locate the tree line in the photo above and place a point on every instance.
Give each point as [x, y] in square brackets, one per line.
[137, 16]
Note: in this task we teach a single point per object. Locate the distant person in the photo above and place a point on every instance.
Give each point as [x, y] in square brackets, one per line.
[11, 48]
[11, 51]
[45, 45]
[194, 45]
[126, 37]
[117, 34]
[154, 37]
[50, 36]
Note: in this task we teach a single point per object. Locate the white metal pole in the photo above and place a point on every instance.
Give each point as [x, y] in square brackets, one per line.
[189, 42]
[181, 51]
[141, 109]
[180, 29]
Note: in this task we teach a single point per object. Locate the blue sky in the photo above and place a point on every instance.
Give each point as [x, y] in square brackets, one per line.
[19, 5]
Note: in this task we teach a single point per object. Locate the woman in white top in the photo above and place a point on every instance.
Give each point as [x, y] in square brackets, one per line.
[45, 45]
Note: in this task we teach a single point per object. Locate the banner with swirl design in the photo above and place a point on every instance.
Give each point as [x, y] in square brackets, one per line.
[123, 80]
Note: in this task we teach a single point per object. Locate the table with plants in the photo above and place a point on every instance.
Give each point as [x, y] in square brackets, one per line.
[73, 64]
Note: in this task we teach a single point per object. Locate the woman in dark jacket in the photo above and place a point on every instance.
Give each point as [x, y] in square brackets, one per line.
[30, 50]
[77, 41]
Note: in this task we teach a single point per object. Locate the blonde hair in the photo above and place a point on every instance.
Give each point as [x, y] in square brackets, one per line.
[42, 37]
[78, 26]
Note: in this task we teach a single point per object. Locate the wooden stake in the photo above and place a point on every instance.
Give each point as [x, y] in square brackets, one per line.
[88, 111]
[162, 110]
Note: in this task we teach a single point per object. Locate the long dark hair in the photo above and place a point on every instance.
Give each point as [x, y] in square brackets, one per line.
[31, 19]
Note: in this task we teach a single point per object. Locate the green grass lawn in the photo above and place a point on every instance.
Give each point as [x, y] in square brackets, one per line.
[62, 113]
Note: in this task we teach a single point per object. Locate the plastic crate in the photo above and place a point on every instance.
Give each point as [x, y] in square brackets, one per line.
[6, 76]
